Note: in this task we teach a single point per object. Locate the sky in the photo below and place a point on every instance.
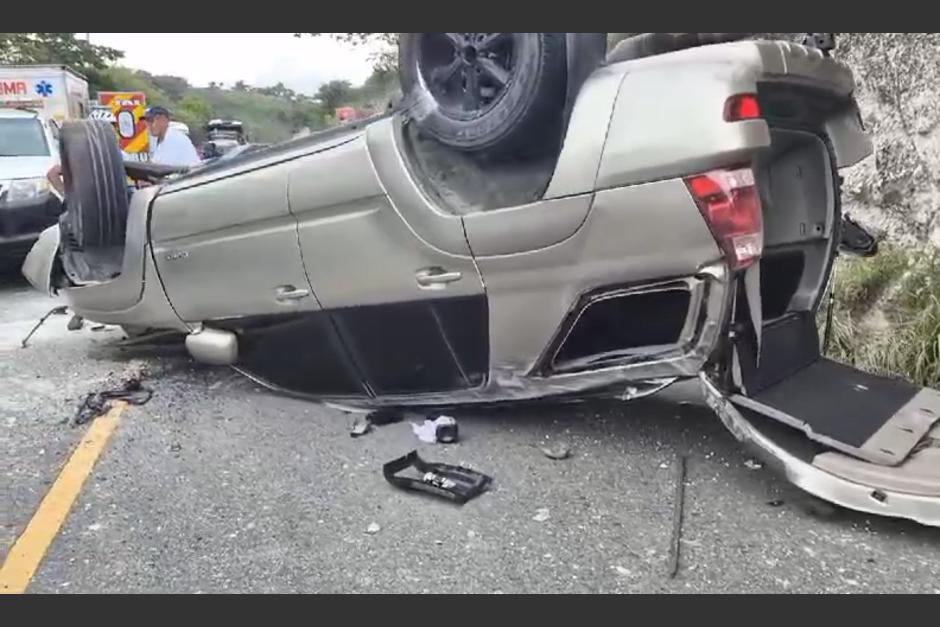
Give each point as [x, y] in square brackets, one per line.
[259, 59]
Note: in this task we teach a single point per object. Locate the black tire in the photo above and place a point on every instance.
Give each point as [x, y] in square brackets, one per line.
[502, 94]
[95, 184]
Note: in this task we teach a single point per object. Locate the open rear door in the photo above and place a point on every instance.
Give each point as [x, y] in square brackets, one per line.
[866, 442]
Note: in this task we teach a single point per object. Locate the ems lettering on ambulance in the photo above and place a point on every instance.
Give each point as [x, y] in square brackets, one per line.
[19, 93]
[13, 88]
[16, 93]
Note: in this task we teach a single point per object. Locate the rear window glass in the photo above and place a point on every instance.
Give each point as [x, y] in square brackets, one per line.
[22, 137]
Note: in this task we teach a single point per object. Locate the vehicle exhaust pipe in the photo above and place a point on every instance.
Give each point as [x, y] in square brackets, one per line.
[213, 346]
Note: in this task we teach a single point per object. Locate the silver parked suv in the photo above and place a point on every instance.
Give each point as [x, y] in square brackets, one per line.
[672, 216]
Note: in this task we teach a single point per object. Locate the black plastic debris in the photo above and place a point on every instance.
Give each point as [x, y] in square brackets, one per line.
[446, 429]
[454, 483]
[55, 311]
[384, 416]
[678, 506]
[360, 427]
[99, 403]
[377, 418]
[856, 239]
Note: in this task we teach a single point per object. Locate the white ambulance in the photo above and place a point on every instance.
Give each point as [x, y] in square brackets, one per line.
[56, 92]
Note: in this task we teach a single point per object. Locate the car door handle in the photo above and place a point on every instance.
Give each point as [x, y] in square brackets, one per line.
[289, 293]
[436, 278]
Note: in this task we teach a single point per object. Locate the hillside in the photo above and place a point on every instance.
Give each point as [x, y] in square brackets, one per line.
[267, 118]
[270, 114]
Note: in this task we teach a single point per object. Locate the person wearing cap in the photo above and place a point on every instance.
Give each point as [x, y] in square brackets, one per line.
[172, 147]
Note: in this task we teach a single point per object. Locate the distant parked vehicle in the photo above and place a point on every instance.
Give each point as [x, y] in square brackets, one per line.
[222, 136]
[28, 148]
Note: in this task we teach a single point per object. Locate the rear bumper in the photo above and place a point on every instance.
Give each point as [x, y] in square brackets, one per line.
[818, 482]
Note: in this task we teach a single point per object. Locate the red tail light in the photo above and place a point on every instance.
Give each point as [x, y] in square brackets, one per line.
[730, 204]
[742, 107]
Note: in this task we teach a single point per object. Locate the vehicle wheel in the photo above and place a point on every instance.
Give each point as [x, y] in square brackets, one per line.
[95, 184]
[496, 93]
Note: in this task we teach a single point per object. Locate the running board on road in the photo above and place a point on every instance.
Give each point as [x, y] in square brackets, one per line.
[909, 490]
[877, 419]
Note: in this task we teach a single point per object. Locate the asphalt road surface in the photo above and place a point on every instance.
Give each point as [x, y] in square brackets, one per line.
[216, 485]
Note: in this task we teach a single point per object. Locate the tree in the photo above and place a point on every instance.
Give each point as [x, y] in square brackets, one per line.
[174, 86]
[380, 85]
[298, 119]
[195, 113]
[241, 86]
[195, 106]
[334, 94]
[278, 91]
[59, 48]
[118, 78]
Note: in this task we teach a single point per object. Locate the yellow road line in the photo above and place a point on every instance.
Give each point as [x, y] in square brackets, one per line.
[27, 553]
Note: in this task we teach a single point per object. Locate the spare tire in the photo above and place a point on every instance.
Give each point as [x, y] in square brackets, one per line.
[496, 93]
[95, 184]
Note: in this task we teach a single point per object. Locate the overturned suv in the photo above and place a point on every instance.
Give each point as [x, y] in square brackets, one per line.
[663, 216]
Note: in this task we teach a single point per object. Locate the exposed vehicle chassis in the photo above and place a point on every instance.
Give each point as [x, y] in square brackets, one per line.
[684, 226]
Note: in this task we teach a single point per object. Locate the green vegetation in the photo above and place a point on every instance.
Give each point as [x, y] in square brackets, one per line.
[886, 318]
[270, 114]
[266, 118]
[64, 48]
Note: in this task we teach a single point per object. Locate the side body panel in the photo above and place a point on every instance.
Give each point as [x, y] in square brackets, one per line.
[676, 128]
[431, 225]
[135, 297]
[583, 146]
[632, 235]
[228, 254]
[229, 248]
[660, 117]
[394, 273]
[527, 227]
